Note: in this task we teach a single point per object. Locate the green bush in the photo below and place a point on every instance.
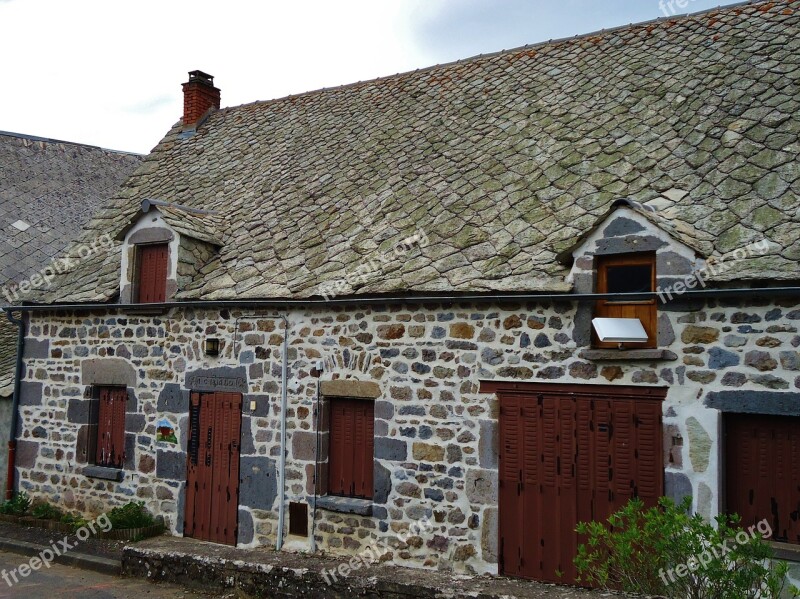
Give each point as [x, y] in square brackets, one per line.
[45, 511]
[130, 515]
[665, 551]
[16, 506]
[76, 521]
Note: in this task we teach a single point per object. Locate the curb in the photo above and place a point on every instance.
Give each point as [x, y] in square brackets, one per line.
[103, 565]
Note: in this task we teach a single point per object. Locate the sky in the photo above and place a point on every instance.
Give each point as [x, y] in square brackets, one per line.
[108, 73]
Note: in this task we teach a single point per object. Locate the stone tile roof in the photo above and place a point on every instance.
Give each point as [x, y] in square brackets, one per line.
[53, 187]
[503, 161]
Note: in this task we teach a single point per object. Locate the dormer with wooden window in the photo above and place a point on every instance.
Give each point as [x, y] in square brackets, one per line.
[163, 249]
[632, 249]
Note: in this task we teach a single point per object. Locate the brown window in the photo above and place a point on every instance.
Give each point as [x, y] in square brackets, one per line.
[628, 273]
[151, 272]
[110, 448]
[351, 448]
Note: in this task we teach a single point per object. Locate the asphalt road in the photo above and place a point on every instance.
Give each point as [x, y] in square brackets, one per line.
[63, 581]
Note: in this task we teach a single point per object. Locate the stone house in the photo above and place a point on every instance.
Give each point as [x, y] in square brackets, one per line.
[48, 190]
[362, 318]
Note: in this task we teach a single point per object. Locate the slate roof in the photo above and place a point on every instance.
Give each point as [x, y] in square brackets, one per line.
[503, 161]
[53, 187]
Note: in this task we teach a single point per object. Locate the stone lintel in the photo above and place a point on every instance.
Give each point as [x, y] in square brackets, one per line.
[350, 388]
[776, 403]
[627, 355]
[108, 371]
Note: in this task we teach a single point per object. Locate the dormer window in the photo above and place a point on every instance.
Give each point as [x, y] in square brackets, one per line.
[628, 273]
[151, 273]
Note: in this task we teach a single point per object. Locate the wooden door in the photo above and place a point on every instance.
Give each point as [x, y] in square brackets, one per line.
[762, 472]
[570, 454]
[212, 480]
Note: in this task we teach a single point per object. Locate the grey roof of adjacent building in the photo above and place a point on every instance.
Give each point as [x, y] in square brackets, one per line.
[503, 161]
[48, 190]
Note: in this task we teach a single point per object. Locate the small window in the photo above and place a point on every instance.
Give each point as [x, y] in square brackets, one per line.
[298, 519]
[151, 273]
[351, 448]
[110, 447]
[628, 273]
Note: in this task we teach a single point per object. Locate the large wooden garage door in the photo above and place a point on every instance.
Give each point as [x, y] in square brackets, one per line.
[570, 454]
[762, 472]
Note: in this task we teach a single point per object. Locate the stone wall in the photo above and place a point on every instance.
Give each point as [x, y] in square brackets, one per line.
[435, 435]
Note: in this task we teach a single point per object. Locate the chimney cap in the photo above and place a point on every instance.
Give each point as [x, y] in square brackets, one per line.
[201, 77]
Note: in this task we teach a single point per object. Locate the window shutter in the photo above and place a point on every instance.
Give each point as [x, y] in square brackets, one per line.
[363, 449]
[338, 456]
[152, 269]
[111, 427]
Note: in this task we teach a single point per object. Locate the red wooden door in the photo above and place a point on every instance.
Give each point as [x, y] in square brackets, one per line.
[110, 449]
[762, 470]
[212, 480]
[152, 269]
[570, 454]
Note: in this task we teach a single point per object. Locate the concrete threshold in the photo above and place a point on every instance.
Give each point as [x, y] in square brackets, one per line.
[75, 559]
[264, 572]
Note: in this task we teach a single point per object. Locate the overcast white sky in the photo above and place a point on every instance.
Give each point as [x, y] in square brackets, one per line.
[108, 73]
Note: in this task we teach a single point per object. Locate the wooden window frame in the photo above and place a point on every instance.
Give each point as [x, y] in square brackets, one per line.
[648, 308]
[343, 453]
[138, 272]
[108, 417]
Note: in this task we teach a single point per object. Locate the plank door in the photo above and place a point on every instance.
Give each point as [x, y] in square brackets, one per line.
[212, 479]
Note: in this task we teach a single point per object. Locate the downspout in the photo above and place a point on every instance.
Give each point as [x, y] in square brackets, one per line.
[284, 401]
[12, 438]
[316, 474]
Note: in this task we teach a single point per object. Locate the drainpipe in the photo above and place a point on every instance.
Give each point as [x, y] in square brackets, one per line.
[12, 438]
[284, 401]
[316, 475]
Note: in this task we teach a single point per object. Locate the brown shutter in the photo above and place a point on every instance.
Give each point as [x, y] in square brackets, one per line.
[338, 449]
[363, 449]
[111, 427]
[351, 450]
[152, 269]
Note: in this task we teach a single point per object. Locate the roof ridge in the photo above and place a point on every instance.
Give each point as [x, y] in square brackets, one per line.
[62, 141]
[535, 45]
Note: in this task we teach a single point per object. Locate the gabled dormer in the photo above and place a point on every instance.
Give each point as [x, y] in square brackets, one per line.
[163, 248]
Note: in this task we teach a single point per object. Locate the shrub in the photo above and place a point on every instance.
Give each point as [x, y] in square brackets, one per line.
[76, 521]
[638, 549]
[45, 511]
[130, 515]
[16, 506]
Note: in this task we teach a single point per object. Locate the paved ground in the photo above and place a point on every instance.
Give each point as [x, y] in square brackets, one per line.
[63, 581]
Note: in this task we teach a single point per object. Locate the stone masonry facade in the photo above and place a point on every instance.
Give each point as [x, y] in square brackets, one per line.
[436, 453]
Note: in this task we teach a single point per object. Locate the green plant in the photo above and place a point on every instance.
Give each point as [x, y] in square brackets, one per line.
[665, 551]
[45, 511]
[130, 515]
[76, 521]
[17, 505]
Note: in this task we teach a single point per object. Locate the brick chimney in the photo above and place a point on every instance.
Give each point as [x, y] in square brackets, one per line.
[199, 98]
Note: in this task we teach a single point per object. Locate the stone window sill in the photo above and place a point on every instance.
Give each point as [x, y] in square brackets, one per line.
[345, 505]
[786, 551]
[103, 472]
[627, 355]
